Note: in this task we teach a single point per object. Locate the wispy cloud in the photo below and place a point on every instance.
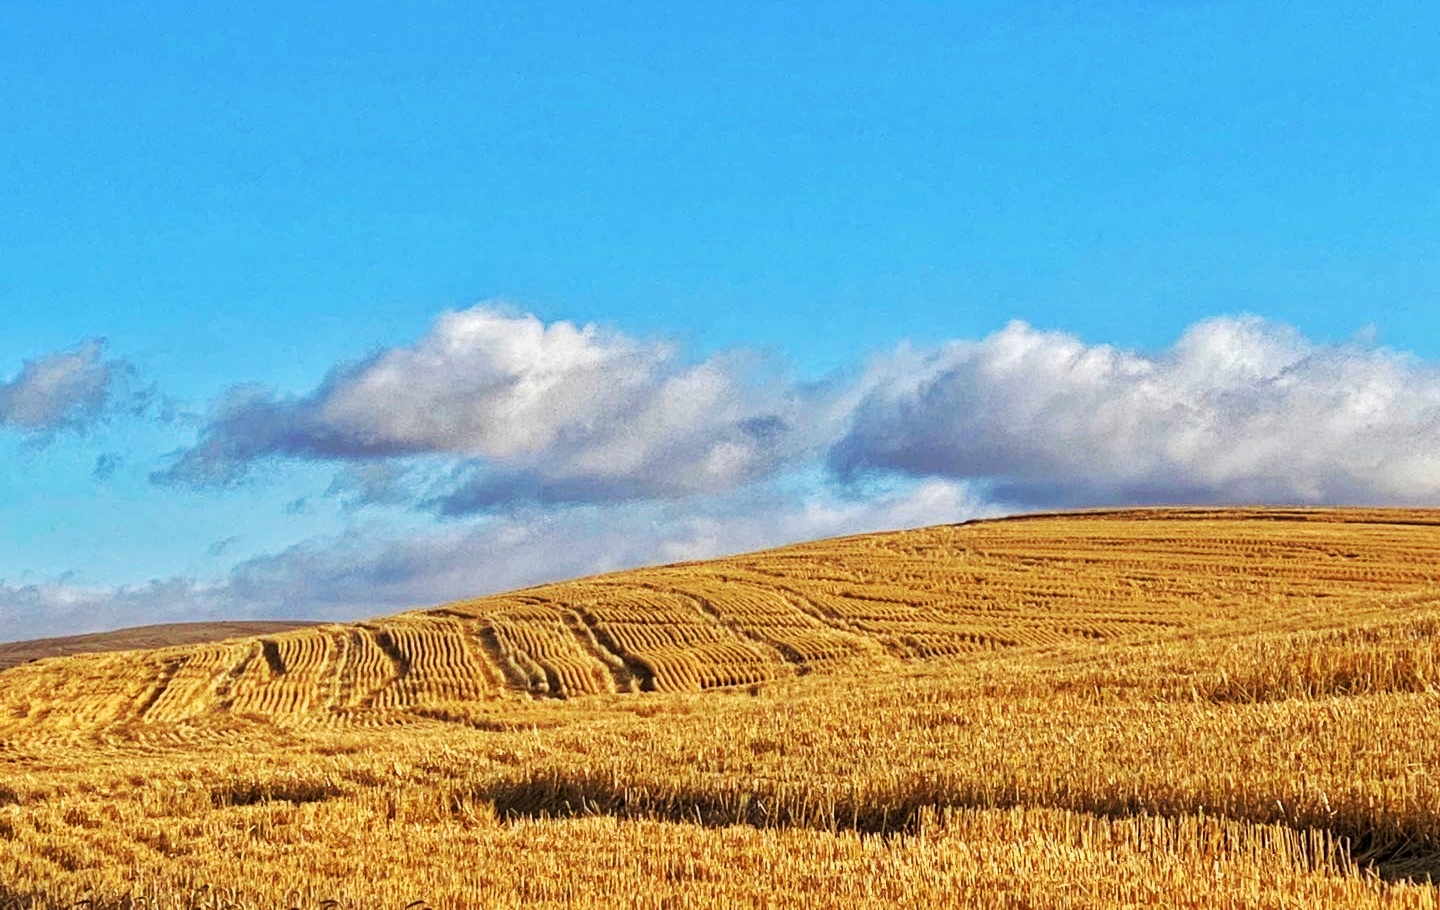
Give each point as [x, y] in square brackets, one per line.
[371, 571]
[105, 466]
[368, 571]
[64, 390]
[59, 608]
[1238, 410]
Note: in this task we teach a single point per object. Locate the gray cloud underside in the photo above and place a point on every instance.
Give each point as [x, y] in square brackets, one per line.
[368, 573]
[529, 413]
[586, 451]
[1238, 410]
[64, 390]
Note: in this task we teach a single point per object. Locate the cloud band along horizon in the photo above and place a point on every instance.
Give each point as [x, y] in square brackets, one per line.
[553, 450]
[524, 413]
[368, 571]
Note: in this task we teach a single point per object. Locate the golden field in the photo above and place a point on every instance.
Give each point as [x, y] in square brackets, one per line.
[15, 653]
[1135, 708]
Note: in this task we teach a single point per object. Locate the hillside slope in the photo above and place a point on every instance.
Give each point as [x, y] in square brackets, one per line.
[861, 602]
[14, 653]
[1191, 709]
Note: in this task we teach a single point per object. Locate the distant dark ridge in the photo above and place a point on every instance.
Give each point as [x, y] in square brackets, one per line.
[12, 654]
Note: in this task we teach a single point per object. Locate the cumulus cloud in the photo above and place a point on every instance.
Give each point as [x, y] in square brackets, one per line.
[64, 390]
[367, 572]
[492, 411]
[570, 450]
[528, 412]
[1238, 410]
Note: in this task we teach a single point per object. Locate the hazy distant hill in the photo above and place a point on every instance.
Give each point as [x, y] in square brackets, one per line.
[157, 636]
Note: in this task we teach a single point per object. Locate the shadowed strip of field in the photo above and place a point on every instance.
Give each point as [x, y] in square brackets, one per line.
[1342, 842]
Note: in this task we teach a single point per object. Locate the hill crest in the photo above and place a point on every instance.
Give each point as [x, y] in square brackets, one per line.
[947, 592]
[138, 638]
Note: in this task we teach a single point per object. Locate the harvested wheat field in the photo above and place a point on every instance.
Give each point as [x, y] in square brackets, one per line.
[1176, 708]
[15, 653]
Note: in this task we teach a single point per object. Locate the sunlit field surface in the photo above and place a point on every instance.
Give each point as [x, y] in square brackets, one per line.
[1170, 708]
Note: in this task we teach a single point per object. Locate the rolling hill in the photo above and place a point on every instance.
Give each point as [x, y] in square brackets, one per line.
[859, 602]
[1218, 707]
[14, 653]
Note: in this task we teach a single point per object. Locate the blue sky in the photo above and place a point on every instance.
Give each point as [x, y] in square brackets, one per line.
[408, 303]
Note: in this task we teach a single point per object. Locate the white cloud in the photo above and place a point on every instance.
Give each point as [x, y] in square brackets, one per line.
[607, 452]
[529, 412]
[1237, 410]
